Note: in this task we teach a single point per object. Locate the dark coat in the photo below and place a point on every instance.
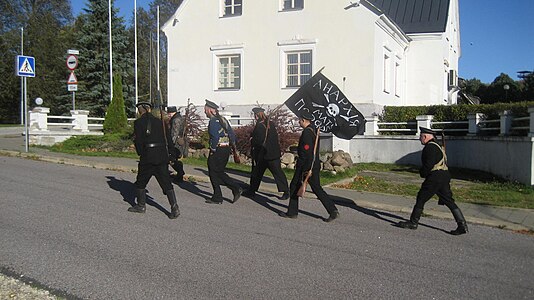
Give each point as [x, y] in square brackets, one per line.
[271, 149]
[431, 156]
[143, 137]
[305, 150]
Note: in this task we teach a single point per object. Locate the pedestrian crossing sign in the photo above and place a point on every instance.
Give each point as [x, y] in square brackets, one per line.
[25, 66]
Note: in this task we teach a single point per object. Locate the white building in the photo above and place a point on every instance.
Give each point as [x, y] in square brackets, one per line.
[379, 52]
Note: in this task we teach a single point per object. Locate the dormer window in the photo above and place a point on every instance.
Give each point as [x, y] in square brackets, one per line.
[292, 4]
[232, 8]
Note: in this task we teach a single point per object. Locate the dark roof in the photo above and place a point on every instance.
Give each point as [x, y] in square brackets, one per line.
[416, 16]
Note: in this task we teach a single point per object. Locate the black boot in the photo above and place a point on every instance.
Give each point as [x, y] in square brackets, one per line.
[414, 219]
[237, 194]
[334, 215]
[285, 196]
[175, 212]
[460, 220]
[140, 207]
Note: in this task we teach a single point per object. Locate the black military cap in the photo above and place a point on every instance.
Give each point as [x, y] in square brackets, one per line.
[211, 104]
[306, 115]
[257, 110]
[426, 130]
[171, 109]
[144, 104]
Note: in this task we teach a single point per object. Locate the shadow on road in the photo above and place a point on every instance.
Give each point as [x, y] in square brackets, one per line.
[127, 190]
[381, 215]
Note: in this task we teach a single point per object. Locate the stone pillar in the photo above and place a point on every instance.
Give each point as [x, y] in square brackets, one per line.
[80, 120]
[371, 125]
[474, 123]
[424, 121]
[39, 119]
[531, 112]
[506, 122]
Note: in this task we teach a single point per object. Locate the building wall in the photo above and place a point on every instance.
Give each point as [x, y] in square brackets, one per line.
[342, 41]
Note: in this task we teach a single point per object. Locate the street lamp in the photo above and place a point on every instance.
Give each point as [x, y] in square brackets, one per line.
[506, 88]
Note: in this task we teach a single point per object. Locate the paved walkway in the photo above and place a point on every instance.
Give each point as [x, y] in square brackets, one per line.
[12, 144]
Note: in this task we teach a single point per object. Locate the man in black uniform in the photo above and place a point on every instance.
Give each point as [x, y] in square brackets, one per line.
[154, 156]
[222, 137]
[437, 181]
[308, 162]
[177, 130]
[265, 152]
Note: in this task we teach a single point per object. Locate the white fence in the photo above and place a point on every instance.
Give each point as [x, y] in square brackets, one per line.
[476, 124]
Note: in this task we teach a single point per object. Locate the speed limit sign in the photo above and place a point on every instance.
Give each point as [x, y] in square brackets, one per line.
[72, 62]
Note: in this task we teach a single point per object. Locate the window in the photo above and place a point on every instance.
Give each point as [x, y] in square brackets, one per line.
[397, 78]
[232, 8]
[298, 68]
[229, 72]
[387, 73]
[292, 4]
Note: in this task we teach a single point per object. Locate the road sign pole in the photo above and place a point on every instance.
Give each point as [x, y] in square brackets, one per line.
[26, 131]
[73, 101]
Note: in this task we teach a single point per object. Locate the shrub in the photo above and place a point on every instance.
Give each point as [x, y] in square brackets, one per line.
[116, 120]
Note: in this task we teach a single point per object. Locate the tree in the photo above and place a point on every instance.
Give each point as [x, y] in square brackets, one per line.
[116, 120]
[147, 44]
[93, 43]
[42, 22]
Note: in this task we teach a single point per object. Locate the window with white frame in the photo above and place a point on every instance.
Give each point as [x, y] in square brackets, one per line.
[298, 67]
[232, 8]
[229, 72]
[386, 80]
[292, 4]
[397, 76]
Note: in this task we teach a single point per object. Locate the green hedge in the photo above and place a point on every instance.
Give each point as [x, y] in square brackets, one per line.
[452, 112]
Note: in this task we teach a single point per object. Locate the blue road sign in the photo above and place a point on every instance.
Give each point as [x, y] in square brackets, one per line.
[25, 66]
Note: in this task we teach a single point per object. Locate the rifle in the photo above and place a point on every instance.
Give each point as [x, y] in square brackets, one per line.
[302, 188]
[224, 125]
[163, 123]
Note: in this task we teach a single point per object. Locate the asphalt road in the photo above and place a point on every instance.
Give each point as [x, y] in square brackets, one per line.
[68, 228]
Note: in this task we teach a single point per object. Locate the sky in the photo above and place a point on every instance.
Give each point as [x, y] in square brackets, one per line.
[496, 36]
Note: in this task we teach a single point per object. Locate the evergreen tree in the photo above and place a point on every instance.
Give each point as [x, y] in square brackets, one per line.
[116, 120]
[94, 86]
[41, 21]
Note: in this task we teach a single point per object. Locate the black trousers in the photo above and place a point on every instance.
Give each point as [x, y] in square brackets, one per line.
[216, 164]
[315, 184]
[437, 183]
[276, 169]
[145, 171]
[177, 164]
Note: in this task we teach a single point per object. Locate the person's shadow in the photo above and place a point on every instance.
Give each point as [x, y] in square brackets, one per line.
[127, 190]
[193, 188]
[391, 218]
[263, 200]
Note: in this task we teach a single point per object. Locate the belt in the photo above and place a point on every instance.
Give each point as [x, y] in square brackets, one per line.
[223, 145]
[154, 145]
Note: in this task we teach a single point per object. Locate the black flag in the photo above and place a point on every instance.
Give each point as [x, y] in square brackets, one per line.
[331, 110]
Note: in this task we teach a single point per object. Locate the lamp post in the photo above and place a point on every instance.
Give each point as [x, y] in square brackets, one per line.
[506, 88]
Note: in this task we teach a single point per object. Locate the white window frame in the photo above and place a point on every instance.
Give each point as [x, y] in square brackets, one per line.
[397, 75]
[222, 11]
[222, 51]
[293, 46]
[386, 71]
[293, 6]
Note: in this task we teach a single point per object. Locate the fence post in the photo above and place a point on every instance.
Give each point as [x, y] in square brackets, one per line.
[506, 122]
[39, 118]
[424, 121]
[531, 112]
[371, 125]
[474, 123]
[80, 120]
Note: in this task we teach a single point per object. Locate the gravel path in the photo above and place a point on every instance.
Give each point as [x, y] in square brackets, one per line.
[11, 288]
